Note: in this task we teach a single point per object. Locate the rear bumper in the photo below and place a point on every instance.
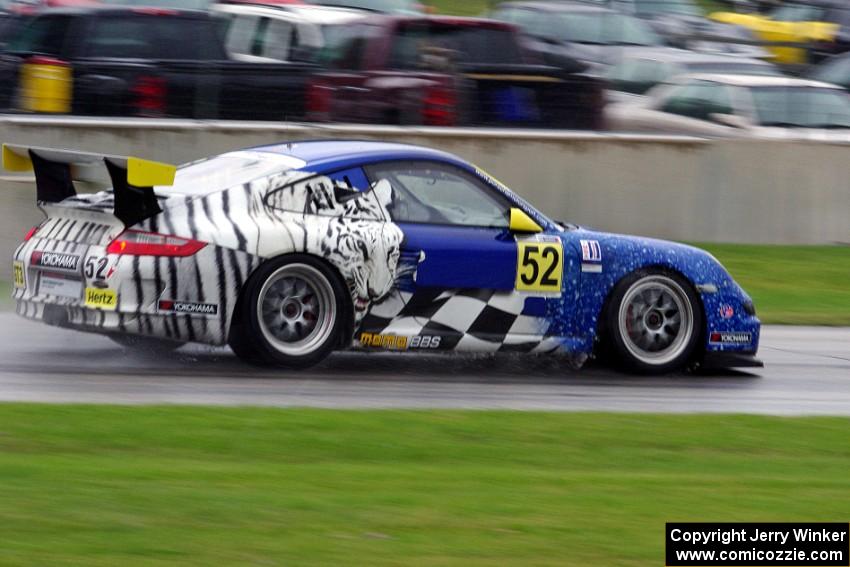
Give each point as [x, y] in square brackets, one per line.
[182, 327]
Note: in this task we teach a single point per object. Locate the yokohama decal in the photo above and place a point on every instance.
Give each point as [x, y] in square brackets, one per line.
[56, 261]
[183, 307]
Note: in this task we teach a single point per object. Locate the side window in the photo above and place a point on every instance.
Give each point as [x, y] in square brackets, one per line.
[345, 46]
[45, 35]
[694, 100]
[720, 101]
[533, 23]
[435, 193]
[240, 34]
[344, 194]
[277, 40]
[637, 75]
[407, 45]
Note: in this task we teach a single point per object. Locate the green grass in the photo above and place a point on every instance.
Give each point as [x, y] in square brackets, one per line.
[478, 7]
[103, 486]
[803, 285]
[5, 295]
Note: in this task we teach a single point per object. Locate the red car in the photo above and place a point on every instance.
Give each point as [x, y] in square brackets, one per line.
[446, 71]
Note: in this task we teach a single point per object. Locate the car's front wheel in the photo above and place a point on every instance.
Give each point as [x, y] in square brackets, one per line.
[292, 313]
[653, 321]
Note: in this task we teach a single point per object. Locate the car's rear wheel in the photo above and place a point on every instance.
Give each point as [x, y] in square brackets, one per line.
[292, 313]
[653, 321]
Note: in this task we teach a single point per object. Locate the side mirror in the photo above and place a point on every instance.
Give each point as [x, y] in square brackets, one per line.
[732, 120]
[521, 222]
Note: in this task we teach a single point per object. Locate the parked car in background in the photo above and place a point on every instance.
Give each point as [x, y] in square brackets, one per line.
[820, 27]
[683, 23]
[283, 33]
[835, 70]
[637, 73]
[400, 7]
[447, 71]
[141, 62]
[592, 34]
[739, 106]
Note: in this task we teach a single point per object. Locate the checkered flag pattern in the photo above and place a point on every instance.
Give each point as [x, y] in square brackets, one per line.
[466, 320]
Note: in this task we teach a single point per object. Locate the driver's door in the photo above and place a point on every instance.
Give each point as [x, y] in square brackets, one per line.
[460, 258]
[453, 223]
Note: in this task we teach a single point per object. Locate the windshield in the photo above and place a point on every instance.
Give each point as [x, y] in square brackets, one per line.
[801, 107]
[603, 28]
[661, 7]
[228, 170]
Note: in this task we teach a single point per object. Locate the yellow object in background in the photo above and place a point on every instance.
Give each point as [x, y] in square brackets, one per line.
[46, 86]
[770, 30]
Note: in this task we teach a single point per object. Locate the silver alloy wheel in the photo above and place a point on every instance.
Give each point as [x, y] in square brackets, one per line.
[656, 320]
[296, 309]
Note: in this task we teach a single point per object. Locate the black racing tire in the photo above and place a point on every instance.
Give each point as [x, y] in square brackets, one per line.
[141, 343]
[653, 322]
[292, 313]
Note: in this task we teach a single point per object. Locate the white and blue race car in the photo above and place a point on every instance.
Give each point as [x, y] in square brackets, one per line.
[289, 252]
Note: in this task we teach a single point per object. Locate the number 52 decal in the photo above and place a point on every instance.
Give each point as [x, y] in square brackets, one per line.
[95, 268]
[540, 266]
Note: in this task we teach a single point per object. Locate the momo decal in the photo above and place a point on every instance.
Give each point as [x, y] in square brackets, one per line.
[730, 338]
[392, 342]
[101, 298]
[56, 261]
[185, 307]
[399, 342]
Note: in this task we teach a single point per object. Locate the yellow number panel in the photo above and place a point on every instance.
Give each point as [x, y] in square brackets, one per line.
[19, 274]
[540, 266]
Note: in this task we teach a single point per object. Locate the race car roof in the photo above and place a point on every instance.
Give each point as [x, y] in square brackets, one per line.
[325, 155]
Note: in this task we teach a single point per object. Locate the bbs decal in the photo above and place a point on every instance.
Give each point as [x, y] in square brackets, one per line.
[425, 341]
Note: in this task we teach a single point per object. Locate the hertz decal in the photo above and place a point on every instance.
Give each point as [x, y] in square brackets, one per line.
[101, 298]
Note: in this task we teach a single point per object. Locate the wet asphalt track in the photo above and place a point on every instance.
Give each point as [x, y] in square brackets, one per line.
[807, 371]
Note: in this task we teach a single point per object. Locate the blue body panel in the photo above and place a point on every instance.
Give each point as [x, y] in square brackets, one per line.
[574, 315]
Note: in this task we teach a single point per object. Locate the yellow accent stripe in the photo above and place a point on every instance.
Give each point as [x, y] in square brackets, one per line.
[15, 162]
[144, 173]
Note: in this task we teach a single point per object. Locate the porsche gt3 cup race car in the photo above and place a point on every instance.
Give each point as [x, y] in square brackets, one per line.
[289, 252]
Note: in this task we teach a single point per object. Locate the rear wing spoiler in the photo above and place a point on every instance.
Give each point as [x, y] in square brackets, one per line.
[132, 178]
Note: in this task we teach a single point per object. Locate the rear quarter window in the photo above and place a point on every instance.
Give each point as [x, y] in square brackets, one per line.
[46, 35]
[154, 37]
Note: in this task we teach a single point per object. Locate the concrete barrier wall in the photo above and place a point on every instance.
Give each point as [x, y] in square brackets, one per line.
[667, 187]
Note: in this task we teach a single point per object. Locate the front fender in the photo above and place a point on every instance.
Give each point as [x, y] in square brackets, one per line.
[729, 317]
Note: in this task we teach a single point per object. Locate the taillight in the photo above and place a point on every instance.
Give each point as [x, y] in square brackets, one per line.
[149, 93]
[318, 101]
[138, 243]
[46, 60]
[30, 233]
[439, 107]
